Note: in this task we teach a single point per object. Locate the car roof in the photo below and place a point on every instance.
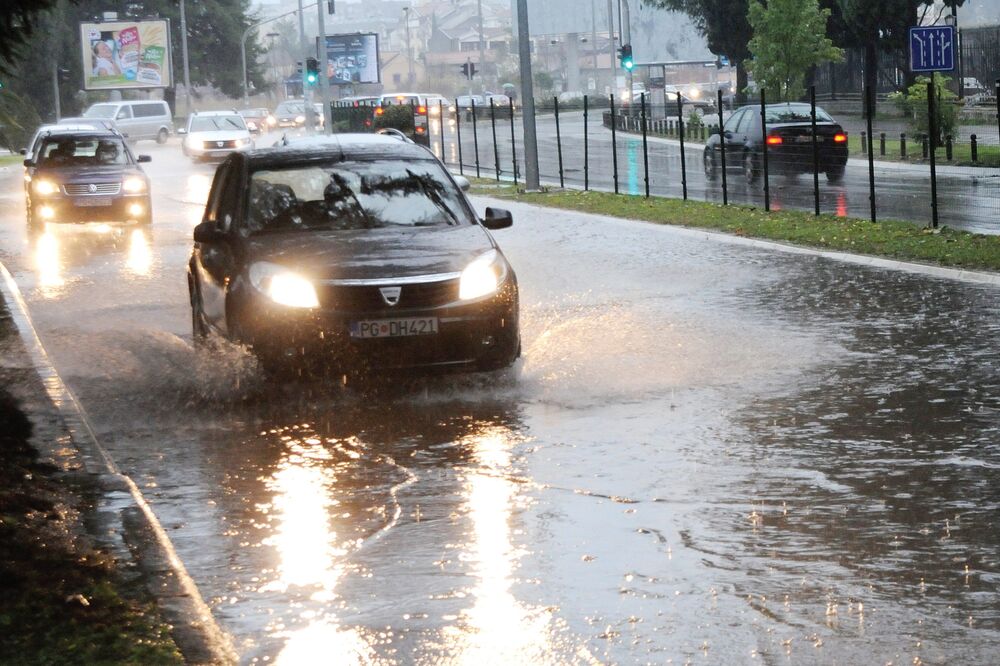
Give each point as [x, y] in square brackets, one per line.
[338, 147]
[215, 113]
[84, 132]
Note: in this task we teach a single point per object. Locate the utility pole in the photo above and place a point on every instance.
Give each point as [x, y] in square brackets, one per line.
[306, 91]
[184, 59]
[55, 89]
[527, 98]
[409, 51]
[625, 25]
[324, 79]
[612, 51]
[593, 38]
[482, 48]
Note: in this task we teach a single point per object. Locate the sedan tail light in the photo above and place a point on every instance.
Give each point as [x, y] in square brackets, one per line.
[840, 137]
[422, 110]
[775, 140]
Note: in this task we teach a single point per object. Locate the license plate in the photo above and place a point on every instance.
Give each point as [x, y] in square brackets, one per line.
[808, 139]
[93, 201]
[394, 328]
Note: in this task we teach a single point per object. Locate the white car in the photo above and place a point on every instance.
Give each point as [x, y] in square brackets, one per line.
[215, 134]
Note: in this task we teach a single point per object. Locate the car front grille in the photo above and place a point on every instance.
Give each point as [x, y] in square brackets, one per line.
[79, 189]
[368, 298]
[214, 145]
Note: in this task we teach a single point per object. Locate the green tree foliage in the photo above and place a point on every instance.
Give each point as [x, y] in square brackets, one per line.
[18, 23]
[789, 37]
[913, 102]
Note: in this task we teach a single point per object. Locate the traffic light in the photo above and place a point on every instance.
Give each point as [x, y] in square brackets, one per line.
[312, 71]
[469, 69]
[625, 57]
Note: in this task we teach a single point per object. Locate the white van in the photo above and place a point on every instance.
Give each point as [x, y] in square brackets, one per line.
[137, 120]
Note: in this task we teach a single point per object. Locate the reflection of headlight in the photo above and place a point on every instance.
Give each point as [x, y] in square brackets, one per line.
[283, 286]
[45, 187]
[300, 119]
[483, 276]
[134, 184]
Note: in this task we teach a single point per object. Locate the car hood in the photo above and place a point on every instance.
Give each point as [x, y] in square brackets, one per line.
[373, 254]
[89, 174]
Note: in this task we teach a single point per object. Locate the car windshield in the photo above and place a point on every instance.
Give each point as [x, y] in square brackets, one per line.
[212, 123]
[795, 113]
[286, 108]
[101, 111]
[253, 113]
[82, 151]
[353, 196]
[389, 100]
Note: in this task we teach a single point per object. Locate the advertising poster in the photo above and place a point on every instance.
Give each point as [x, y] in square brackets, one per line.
[125, 54]
[352, 59]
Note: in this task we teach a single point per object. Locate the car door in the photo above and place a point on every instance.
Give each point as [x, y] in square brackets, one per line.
[215, 261]
[731, 135]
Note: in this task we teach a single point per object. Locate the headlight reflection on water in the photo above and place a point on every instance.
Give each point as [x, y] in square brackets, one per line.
[140, 258]
[48, 264]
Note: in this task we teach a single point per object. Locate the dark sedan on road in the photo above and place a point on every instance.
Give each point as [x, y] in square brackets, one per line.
[789, 143]
[352, 252]
[84, 176]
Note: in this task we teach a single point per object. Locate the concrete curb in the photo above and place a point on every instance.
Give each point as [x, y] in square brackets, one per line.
[199, 637]
[958, 274]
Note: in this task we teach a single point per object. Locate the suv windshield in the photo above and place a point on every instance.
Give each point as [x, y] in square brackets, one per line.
[353, 196]
[101, 111]
[212, 123]
[795, 113]
[82, 151]
[290, 107]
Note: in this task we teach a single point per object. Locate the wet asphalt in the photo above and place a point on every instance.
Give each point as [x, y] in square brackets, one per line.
[711, 454]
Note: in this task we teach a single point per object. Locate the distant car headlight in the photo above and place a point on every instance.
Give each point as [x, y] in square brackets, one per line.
[300, 119]
[134, 184]
[694, 93]
[483, 276]
[283, 286]
[251, 125]
[271, 120]
[45, 187]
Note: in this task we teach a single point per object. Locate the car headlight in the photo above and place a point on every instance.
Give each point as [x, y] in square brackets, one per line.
[483, 276]
[134, 184]
[283, 286]
[45, 187]
[300, 119]
[271, 120]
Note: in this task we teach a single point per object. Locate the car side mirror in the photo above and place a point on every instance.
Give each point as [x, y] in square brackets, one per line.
[728, 134]
[182, 131]
[207, 232]
[497, 218]
[463, 183]
[29, 163]
[143, 158]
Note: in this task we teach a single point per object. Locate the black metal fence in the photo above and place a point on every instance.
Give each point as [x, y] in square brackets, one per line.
[892, 169]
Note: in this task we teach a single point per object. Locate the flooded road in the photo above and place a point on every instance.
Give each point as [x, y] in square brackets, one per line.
[713, 454]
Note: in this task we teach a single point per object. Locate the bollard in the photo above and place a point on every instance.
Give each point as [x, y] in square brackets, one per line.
[864, 141]
[974, 145]
[881, 144]
[902, 145]
[948, 148]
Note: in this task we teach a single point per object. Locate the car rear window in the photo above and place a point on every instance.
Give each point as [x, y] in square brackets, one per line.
[355, 195]
[795, 113]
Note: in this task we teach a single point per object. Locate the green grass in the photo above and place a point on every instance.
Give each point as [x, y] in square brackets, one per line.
[988, 155]
[10, 160]
[889, 238]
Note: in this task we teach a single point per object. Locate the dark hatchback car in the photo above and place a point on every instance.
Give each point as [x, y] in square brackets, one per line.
[352, 252]
[788, 143]
[84, 176]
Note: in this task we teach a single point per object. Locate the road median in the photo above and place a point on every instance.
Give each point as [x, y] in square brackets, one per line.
[891, 239]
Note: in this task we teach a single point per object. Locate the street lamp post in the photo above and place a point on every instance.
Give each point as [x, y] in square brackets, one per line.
[409, 51]
[274, 65]
[184, 59]
[527, 98]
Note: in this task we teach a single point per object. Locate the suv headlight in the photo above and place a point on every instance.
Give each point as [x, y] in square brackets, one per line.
[483, 276]
[283, 286]
[45, 187]
[134, 184]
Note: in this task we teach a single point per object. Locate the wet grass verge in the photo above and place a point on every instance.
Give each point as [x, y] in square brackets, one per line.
[892, 239]
[64, 601]
[10, 160]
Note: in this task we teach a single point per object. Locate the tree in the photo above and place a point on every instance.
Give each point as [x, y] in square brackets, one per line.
[913, 102]
[725, 26]
[18, 22]
[789, 37]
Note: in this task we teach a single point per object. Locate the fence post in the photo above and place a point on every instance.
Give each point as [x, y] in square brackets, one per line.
[680, 135]
[870, 111]
[458, 135]
[974, 145]
[645, 146]
[932, 126]
[902, 145]
[815, 147]
[496, 148]
[513, 140]
[614, 143]
[722, 148]
[475, 135]
[441, 118]
[997, 97]
[555, 102]
[586, 146]
[881, 144]
[763, 129]
[949, 148]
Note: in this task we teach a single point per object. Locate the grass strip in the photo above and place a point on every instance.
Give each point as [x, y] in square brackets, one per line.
[892, 239]
[10, 160]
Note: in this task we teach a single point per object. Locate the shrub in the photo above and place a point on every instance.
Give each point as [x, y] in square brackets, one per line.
[913, 102]
[397, 117]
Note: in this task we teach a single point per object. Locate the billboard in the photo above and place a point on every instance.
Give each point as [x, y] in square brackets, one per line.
[125, 54]
[352, 59]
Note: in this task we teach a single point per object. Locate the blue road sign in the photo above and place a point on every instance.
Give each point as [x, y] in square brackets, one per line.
[932, 49]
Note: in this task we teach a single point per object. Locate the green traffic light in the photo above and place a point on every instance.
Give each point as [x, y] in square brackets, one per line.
[629, 65]
[311, 78]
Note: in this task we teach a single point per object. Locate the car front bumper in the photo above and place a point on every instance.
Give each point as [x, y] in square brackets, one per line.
[98, 208]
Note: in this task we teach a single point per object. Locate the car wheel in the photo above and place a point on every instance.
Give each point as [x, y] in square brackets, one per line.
[750, 170]
[836, 174]
[710, 171]
[161, 136]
